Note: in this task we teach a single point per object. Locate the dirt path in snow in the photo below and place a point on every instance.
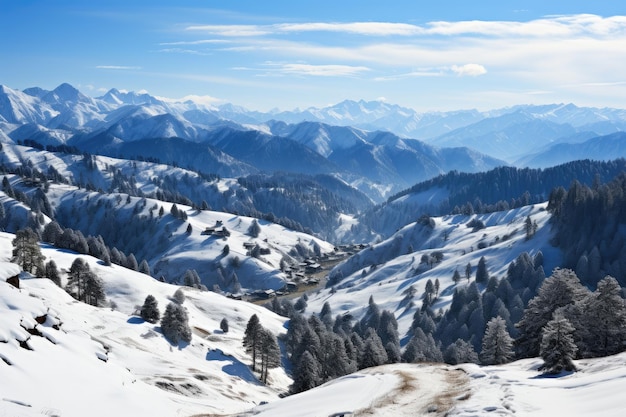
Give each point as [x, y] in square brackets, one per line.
[424, 390]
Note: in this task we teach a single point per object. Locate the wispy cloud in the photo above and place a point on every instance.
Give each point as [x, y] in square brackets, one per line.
[196, 42]
[187, 51]
[316, 70]
[472, 70]
[570, 25]
[117, 67]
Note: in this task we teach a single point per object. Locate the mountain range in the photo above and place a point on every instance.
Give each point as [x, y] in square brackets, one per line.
[376, 147]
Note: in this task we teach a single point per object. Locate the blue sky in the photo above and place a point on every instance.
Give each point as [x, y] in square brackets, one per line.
[436, 55]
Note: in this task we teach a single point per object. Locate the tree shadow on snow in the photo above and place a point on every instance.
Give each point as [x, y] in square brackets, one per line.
[547, 375]
[233, 366]
[135, 320]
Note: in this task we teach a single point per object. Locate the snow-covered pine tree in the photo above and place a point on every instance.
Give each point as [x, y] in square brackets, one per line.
[251, 338]
[254, 230]
[224, 325]
[306, 373]
[52, 272]
[26, 251]
[179, 296]
[269, 353]
[557, 345]
[374, 353]
[460, 352]
[604, 320]
[175, 323]
[422, 348]
[482, 275]
[150, 310]
[559, 290]
[497, 345]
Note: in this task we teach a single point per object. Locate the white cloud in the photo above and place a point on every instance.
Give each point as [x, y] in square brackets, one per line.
[570, 25]
[472, 70]
[232, 30]
[117, 67]
[360, 28]
[196, 42]
[320, 70]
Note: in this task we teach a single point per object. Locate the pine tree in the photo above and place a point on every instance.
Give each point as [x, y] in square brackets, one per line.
[460, 352]
[456, 277]
[76, 279]
[93, 293]
[269, 353]
[604, 320]
[179, 296]
[468, 271]
[497, 347]
[254, 230]
[557, 345]
[251, 338]
[150, 310]
[482, 276]
[422, 348]
[144, 268]
[306, 373]
[374, 353]
[26, 251]
[224, 325]
[52, 272]
[175, 324]
[561, 289]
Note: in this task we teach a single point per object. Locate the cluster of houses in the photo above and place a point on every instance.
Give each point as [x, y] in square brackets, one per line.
[218, 230]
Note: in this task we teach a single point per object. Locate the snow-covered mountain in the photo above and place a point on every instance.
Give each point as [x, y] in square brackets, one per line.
[387, 269]
[60, 357]
[596, 148]
[252, 141]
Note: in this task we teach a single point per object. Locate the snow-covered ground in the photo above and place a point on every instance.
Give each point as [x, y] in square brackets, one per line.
[515, 389]
[105, 361]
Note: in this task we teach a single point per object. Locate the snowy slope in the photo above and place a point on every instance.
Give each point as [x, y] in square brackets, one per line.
[386, 270]
[106, 361]
[515, 389]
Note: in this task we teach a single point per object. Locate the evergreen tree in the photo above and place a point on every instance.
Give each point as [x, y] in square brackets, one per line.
[306, 373]
[131, 262]
[269, 353]
[179, 296]
[26, 251]
[557, 345]
[254, 230]
[460, 352]
[482, 275]
[52, 272]
[497, 347]
[422, 348]
[224, 325]
[93, 293]
[561, 289]
[175, 324]
[301, 304]
[604, 320]
[76, 279]
[251, 338]
[374, 353]
[144, 268]
[468, 271]
[150, 310]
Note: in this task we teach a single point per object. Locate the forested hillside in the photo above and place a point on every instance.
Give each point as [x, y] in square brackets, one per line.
[499, 189]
